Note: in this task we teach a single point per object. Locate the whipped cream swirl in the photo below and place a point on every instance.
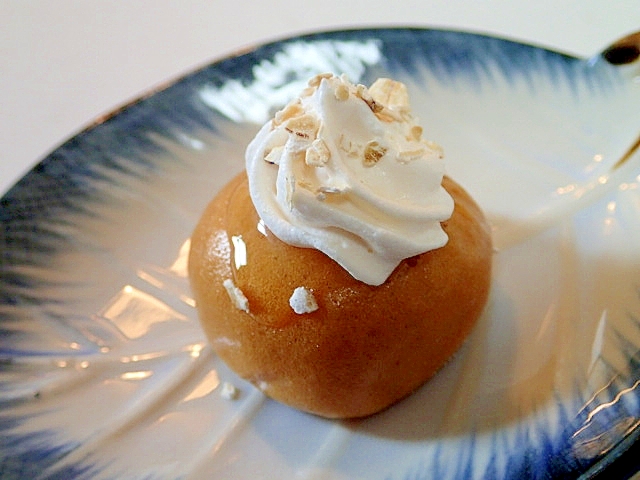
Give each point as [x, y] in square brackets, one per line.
[344, 169]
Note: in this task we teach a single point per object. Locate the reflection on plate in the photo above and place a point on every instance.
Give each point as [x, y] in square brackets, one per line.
[104, 371]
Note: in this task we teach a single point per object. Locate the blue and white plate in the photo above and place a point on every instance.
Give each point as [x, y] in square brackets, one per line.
[105, 372]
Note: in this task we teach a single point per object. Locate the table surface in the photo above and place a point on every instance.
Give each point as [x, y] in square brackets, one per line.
[67, 62]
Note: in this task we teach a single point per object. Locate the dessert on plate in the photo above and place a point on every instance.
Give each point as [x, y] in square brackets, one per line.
[342, 269]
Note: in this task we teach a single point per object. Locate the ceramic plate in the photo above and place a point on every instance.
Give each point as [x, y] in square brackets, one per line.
[105, 372]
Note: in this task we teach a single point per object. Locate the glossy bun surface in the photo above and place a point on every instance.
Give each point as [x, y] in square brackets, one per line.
[365, 347]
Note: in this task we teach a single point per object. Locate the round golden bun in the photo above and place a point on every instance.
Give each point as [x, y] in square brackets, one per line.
[365, 347]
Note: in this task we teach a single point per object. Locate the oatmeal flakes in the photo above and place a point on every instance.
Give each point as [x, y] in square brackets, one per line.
[290, 111]
[416, 132]
[305, 126]
[390, 93]
[435, 147]
[274, 155]
[315, 81]
[373, 152]
[407, 156]
[342, 92]
[229, 391]
[236, 295]
[302, 301]
[351, 148]
[386, 115]
[317, 154]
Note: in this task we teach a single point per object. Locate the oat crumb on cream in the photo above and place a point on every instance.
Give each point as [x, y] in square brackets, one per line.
[235, 294]
[302, 301]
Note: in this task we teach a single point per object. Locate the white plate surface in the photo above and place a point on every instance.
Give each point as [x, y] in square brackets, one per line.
[105, 372]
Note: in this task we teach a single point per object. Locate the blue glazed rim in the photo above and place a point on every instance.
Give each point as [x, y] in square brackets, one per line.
[62, 171]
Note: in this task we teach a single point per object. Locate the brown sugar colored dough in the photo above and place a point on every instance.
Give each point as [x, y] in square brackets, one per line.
[365, 347]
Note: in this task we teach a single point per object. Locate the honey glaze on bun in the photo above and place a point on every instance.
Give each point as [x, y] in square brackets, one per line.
[358, 348]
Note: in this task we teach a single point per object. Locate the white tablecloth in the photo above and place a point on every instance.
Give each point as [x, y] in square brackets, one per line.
[65, 62]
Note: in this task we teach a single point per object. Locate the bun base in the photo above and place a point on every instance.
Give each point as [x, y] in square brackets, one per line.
[365, 347]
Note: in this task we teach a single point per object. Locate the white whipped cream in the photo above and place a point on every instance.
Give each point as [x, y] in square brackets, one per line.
[344, 169]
